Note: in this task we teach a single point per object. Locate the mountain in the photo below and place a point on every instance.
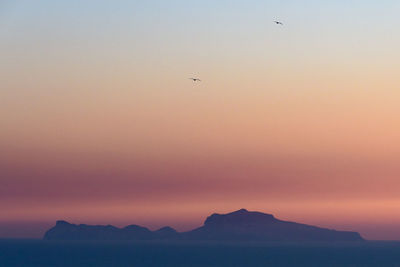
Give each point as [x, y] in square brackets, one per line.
[241, 225]
[252, 226]
[166, 232]
[67, 231]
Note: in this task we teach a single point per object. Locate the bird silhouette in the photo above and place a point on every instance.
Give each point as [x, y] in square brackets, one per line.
[195, 79]
[278, 22]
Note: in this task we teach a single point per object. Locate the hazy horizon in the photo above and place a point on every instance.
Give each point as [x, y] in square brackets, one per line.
[100, 123]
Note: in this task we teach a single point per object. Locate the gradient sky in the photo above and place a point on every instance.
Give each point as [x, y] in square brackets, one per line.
[100, 124]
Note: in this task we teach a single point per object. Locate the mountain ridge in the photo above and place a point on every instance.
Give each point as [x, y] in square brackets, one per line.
[240, 225]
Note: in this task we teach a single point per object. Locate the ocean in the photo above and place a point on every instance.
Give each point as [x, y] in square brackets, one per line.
[34, 252]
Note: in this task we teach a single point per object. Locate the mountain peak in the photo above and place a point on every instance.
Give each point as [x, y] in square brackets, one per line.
[239, 217]
[61, 222]
[241, 211]
[166, 229]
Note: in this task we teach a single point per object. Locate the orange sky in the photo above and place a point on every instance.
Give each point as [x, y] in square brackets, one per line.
[100, 123]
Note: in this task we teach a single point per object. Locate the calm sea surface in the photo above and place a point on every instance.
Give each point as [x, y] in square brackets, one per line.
[116, 253]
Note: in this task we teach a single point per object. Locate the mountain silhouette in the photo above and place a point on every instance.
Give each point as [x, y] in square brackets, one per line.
[241, 225]
[67, 231]
[245, 225]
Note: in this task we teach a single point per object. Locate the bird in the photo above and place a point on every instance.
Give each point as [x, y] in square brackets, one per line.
[278, 22]
[195, 79]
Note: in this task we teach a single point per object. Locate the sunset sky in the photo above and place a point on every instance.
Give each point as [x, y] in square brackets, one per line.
[99, 122]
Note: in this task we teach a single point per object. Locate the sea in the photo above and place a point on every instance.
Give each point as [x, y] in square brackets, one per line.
[35, 252]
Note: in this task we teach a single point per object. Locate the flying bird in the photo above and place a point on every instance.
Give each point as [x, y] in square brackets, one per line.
[195, 79]
[278, 22]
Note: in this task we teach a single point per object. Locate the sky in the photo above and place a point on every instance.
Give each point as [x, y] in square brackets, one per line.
[100, 123]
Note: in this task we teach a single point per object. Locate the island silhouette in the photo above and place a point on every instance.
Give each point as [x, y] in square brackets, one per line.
[241, 225]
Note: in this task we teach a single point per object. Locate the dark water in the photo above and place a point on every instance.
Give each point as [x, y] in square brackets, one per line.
[51, 253]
